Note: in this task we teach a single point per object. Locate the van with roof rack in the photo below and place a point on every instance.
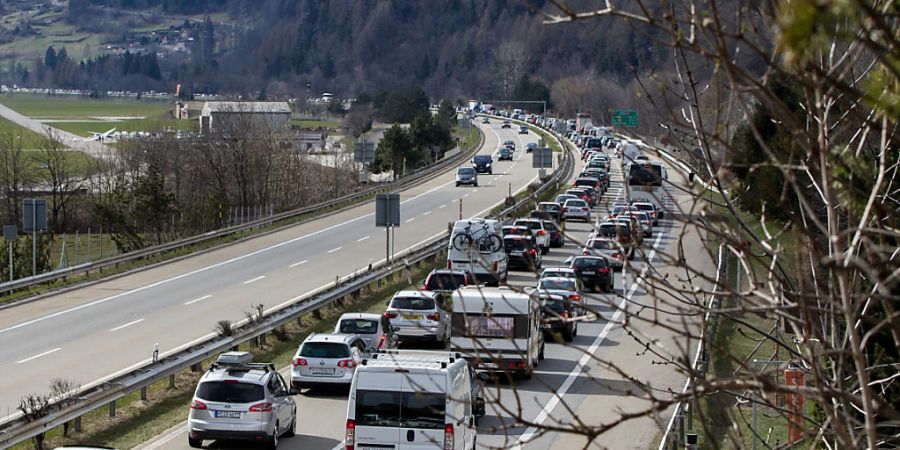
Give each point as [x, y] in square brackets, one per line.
[414, 399]
[237, 399]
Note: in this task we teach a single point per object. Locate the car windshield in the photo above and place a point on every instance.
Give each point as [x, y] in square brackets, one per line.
[564, 284]
[417, 303]
[400, 409]
[603, 245]
[482, 159]
[229, 392]
[359, 326]
[466, 171]
[588, 263]
[324, 350]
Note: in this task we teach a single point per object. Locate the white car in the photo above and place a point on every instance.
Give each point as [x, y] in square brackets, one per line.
[559, 272]
[327, 360]
[577, 209]
[541, 234]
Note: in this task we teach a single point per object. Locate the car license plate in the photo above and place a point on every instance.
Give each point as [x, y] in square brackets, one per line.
[516, 253]
[363, 447]
[412, 317]
[588, 272]
[321, 371]
[229, 414]
[489, 365]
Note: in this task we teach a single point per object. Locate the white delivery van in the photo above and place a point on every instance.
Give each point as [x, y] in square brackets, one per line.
[630, 152]
[410, 400]
[477, 246]
[497, 329]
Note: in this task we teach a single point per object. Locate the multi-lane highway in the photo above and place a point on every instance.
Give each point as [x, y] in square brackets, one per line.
[574, 382]
[106, 328]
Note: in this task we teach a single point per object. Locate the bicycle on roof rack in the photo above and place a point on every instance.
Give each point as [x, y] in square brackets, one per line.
[481, 239]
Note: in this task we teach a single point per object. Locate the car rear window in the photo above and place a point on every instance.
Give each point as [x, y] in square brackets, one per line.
[359, 326]
[643, 206]
[420, 303]
[515, 244]
[400, 409]
[587, 263]
[612, 230]
[566, 284]
[585, 182]
[603, 245]
[533, 224]
[230, 392]
[576, 204]
[554, 305]
[324, 350]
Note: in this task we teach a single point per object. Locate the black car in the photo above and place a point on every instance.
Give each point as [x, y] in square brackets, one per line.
[552, 208]
[557, 317]
[482, 164]
[522, 252]
[594, 272]
[447, 280]
[557, 238]
[505, 153]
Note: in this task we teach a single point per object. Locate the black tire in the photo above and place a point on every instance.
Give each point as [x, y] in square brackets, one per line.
[476, 184]
[541, 353]
[490, 172]
[292, 430]
[461, 242]
[272, 442]
[567, 334]
[195, 443]
[525, 374]
[575, 328]
[457, 184]
[545, 250]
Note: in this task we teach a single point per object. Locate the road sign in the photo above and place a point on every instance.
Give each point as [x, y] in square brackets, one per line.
[35, 214]
[387, 210]
[625, 117]
[364, 152]
[10, 232]
[542, 158]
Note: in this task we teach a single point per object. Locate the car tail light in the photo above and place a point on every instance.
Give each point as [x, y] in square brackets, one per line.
[449, 264]
[564, 314]
[348, 363]
[297, 362]
[541, 232]
[261, 407]
[198, 405]
[574, 298]
[532, 252]
[617, 255]
[435, 316]
[448, 436]
[585, 209]
[495, 266]
[604, 270]
[564, 209]
[586, 253]
[350, 435]
[390, 315]
[381, 342]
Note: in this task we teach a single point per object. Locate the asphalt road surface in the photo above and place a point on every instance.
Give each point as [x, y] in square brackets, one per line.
[574, 382]
[97, 331]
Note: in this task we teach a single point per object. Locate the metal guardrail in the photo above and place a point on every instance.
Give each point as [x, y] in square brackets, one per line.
[18, 429]
[114, 261]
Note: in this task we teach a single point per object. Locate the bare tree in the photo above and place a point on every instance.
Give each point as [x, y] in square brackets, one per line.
[62, 180]
[511, 61]
[15, 172]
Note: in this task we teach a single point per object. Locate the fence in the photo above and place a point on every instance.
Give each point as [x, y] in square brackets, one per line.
[17, 429]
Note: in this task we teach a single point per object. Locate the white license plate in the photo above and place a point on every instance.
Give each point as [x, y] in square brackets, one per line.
[516, 253]
[412, 317]
[363, 447]
[321, 371]
[489, 365]
[589, 272]
[229, 414]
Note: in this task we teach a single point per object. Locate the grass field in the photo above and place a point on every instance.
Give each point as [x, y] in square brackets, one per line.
[30, 138]
[69, 107]
[329, 124]
[149, 124]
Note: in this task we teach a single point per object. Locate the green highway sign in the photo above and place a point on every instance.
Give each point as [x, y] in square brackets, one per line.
[624, 117]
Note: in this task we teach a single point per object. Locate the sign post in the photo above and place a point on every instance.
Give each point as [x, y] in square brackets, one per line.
[794, 403]
[35, 219]
[387, 215]
[10, 233]
[625, 117]
[364, 152]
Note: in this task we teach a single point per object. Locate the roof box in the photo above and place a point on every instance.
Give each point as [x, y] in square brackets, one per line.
[234, 359]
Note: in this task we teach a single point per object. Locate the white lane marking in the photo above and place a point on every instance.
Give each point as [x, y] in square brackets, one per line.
[126, 325]
[363, 238]
[299, 263]
[254, 279]
[474, 191]
[39, 355]
[198, 300]
[335, 249]
[464, 196]
[442, 206]
[204, 269]
[409, 220]
[426, 213]
[588, 356]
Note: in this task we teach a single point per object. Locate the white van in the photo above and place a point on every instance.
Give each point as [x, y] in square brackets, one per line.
[497, 329]
[630, 152]
[410, 400]
[477, 246]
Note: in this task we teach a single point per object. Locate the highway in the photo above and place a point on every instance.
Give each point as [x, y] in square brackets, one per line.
[99, 330]
[574, 382]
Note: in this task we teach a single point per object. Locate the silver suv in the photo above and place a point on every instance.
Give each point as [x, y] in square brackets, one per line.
[239, 400]
[419, 315]
[327, 360]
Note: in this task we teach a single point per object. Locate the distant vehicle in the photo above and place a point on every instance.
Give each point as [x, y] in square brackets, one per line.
[506, 124]
[237, 399]
[419, 315]
[522, 252]
[570, 288]
[466, 175]
[506, 153]
[523, 129]
[557, 317]
[327, 360]
[577, 209]
[510, 144]
[497, 329]
[582, 120]
[607, 248]
[540, 231]
[620, 232]
[409, 399]
[98, 136]
[594, 273]
[486, 120]
[374, 329]
[482, 164]
[646, 179]
[529, 147]
[553, 208]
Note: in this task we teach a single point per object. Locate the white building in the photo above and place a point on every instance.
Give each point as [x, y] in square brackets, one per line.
[221, 116]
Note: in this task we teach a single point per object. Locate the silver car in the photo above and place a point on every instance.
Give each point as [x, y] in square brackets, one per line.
[419, 315]
[577, 209]
[238, 400]
[327, 360]
[607, 248]
[374, 329]
[466, 175]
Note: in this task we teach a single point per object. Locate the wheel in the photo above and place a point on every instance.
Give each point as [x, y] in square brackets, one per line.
[541, 353]
[292, 430]
[575, 328]
[272, 443]
[567, 334]
[476, 184]
[545, 250]
[491, 172]
[526, 374]
[195, 443]
[457, 184]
